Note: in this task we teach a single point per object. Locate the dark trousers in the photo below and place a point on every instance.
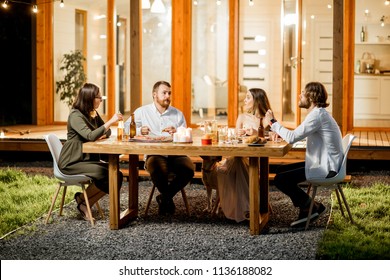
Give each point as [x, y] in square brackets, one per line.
[286, 180]
[161, 168]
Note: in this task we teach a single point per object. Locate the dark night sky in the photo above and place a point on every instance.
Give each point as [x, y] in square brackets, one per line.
[16, 74]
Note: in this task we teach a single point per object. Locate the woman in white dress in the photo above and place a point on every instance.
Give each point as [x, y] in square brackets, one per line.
[232, 174]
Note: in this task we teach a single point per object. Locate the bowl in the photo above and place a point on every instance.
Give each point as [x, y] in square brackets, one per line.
[206, 141]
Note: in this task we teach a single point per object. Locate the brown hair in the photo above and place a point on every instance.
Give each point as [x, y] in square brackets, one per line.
[260, 101]
[157, 85]
[85, 98]
[316, 92]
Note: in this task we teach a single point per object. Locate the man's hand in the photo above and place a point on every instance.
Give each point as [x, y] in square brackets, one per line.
[169, 129]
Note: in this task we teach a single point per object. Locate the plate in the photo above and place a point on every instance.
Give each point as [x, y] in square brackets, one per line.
[256, 144]
[151, 139]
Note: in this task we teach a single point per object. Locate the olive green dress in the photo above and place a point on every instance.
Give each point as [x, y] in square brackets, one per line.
[72, 160]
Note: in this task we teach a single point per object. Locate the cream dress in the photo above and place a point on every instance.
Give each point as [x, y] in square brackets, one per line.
[233, 179]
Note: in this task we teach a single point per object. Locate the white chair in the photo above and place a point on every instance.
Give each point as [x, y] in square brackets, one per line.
[334, 182]
[55, 147]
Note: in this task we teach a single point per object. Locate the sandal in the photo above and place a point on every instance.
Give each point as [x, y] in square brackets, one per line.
[82, 212]
[77, 198]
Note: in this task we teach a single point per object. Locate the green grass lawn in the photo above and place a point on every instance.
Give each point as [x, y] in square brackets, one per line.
[25, 198]
[369, 237]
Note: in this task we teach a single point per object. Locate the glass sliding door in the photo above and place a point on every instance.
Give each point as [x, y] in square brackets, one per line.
[210, 29]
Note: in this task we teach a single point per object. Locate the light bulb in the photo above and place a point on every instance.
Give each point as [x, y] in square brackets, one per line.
[35, 9]
[251, 3]
[218, 2]
[5, 4]
[387, 2]
[62, 4]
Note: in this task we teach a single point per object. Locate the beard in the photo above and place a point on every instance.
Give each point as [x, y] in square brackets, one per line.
[304, 104]
[164, 103]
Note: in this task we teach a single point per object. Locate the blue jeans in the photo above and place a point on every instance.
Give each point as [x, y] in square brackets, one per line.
[161, 168]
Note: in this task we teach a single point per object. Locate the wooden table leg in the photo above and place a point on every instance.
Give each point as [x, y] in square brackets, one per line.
[133, 184]
[113, 167]
[264, 191]
[254, 196]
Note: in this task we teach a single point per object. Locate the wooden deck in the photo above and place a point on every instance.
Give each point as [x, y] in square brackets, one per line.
[369, 145]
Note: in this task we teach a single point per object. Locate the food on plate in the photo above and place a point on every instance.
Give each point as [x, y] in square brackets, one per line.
[255, 140]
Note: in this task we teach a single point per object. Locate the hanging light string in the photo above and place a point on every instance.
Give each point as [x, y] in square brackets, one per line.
[6, 4]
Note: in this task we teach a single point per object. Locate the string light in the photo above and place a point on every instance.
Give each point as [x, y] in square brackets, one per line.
[251, 3]
[387, 2]
[218, 2]
[5, 4]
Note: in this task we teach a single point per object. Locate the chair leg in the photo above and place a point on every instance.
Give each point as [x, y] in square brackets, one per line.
[149, 200]
[88, 206]
[339, 201]
[311, 206]
[63, 200]
[346, 203]
[52, 203]
[100, 210]
[184, 195]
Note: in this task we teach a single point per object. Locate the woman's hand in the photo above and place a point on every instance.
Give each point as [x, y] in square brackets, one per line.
[269, 116]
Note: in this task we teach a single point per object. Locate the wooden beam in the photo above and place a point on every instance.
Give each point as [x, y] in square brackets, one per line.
[135, 55]
[44, 64]
[111, 58]
[233, 66]
[181, 56]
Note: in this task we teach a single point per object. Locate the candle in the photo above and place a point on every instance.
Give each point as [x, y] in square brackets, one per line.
[183, 135]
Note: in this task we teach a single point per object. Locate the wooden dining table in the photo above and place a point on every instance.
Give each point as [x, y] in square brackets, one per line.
[258, 171]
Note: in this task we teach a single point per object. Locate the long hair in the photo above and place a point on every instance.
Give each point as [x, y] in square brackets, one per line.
[85, 98]
[317, 93]
[260, 101]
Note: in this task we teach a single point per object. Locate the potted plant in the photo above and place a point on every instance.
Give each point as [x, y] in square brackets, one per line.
[72, 65]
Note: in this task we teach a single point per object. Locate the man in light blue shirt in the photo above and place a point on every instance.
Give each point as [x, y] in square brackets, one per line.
[324, 151]
[161, 119]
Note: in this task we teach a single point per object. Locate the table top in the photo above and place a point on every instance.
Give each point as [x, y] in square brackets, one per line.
[113, 146]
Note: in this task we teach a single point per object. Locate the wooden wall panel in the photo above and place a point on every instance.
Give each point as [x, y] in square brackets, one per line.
[181, 56]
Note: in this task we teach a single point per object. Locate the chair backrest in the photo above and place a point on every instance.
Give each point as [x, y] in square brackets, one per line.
[55, 147]
[342, 172]
[347, 143]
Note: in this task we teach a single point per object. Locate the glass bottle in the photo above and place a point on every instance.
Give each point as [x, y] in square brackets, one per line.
[362, 35]
[260, 130]
[133, 127]
[120, 131]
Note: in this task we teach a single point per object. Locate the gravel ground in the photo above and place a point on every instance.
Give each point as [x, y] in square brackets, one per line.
[195, 237]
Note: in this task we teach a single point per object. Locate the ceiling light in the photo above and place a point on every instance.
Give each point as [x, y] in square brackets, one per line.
[158, 7]
[145, 4]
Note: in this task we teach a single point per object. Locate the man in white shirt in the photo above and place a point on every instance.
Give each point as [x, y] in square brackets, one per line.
[161, 119]
[324, 151]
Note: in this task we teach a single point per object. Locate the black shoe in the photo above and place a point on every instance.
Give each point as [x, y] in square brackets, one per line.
[165, 206]
[318, 209]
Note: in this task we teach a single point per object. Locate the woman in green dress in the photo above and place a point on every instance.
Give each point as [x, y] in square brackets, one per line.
[85, 125]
